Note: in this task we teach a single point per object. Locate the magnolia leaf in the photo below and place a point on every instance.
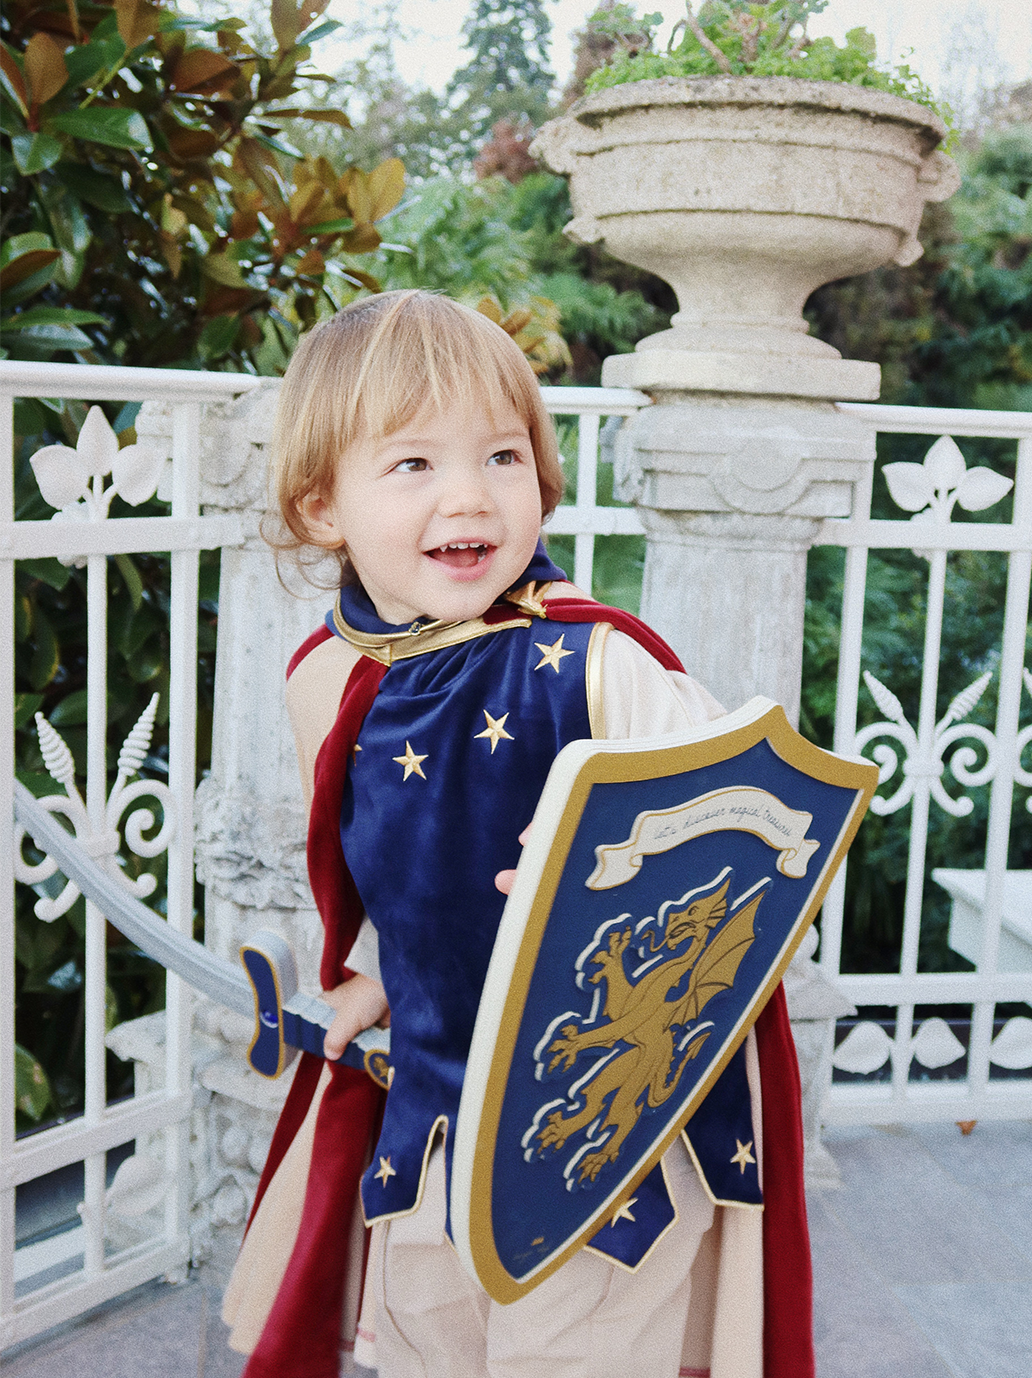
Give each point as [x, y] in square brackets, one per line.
[136, 22]
[35, 152]
[45, 68]
[221, 268]
[110, 125]
[200, 68]
[363, 239]
[26, 266]
[186, 145]
[61, 474]
[355, 185]
[910, 486]
[981, 488]
[305, 201]
[97, 443]
[54, 334]
[323, 116]
[487, 306]
[13, 81]
[386, 187]
[135, 472]
[286, 22]
[944, 464]
[31, 1087]
[53, 315]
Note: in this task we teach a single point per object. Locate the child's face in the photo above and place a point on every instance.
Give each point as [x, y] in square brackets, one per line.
[438, 518]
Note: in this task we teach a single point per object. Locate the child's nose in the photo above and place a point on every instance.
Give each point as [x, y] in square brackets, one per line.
[464, 493]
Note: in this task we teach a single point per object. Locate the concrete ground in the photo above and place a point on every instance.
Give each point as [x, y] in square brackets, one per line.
[922, 1263]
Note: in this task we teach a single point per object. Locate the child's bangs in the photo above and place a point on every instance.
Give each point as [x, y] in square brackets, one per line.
[424, 361]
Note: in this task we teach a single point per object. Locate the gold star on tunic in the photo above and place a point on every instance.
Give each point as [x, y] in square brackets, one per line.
[385, 1170]
[743, 1155]
[551, 655]
[494, 731]
[624, 1213]
[411, 762]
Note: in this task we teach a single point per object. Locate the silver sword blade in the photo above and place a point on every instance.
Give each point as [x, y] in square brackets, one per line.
[189, 959]
[305, 1018]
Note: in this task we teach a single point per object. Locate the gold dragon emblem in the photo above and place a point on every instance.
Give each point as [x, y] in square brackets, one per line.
[652, 1016]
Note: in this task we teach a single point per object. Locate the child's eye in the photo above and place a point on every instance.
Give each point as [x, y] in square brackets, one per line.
[504, 457]
[410, 466]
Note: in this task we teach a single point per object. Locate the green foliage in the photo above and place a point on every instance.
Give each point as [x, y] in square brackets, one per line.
[153, 211]
[491, 238]
[734, 37]
[508, 68]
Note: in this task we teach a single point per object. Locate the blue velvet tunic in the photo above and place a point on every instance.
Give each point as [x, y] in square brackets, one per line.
[449, 765]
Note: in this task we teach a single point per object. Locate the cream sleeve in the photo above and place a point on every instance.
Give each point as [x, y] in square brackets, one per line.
[641, 699]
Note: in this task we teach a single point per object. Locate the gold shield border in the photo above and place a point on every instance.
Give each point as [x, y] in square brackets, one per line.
[617, 767]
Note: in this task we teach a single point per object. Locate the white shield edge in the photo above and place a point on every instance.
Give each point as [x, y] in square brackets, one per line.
[564, 771]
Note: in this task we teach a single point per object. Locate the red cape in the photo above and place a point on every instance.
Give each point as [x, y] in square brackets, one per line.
[301, 1338]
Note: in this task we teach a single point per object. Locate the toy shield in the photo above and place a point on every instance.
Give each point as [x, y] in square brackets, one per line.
[665, 886]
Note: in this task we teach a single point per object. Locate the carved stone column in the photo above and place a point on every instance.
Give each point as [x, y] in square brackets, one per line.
[730, 490]
[250, 820]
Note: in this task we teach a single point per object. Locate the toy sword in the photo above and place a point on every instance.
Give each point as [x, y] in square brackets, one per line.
[285, 1019]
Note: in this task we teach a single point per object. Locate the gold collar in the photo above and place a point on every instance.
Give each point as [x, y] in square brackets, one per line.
[424, 635]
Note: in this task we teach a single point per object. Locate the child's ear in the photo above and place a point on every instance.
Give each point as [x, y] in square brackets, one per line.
[317, 515]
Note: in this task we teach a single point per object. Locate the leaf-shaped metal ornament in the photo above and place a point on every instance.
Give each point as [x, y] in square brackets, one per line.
[944, 464]
[936, 1045]
[981, 488]
[885, 698]
[910, 486]
[864, 1049]
[61, 474]
[137, 744]
[97, 443]
[963, 703]
[135, 472]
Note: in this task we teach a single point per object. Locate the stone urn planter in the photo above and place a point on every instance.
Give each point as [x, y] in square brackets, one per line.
[746, 194]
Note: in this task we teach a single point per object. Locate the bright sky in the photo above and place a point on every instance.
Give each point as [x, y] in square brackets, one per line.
[1000, 29]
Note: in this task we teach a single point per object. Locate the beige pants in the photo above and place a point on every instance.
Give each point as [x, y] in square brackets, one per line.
[591, 1319]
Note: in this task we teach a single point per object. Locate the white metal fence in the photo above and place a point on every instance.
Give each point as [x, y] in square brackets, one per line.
[49, 1280]
[70, 1270]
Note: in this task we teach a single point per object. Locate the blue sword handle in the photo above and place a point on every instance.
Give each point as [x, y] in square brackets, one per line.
[286, 1019]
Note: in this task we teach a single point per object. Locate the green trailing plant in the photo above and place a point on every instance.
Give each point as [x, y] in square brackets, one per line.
[738, 38]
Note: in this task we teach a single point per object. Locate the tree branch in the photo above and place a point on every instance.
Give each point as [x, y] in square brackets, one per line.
[718, 57]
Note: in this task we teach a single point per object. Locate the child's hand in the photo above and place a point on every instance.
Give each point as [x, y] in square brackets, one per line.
[504, 879]
[360, 1003]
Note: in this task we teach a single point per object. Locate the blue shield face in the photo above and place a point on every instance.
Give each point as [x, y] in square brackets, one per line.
[667, 903]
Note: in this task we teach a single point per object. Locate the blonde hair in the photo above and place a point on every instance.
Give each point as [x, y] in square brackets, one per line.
[368, 371]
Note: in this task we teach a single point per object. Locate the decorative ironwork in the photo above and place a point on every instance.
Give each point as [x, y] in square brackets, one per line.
[929, 764]
[101, 843]
[73, 480]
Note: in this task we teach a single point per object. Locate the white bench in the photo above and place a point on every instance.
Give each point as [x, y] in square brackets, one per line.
[967, 890]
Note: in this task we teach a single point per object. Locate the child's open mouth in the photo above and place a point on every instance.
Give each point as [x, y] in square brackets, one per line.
[460, 554]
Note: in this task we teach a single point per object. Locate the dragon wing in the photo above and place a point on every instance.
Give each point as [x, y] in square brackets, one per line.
[718, 964]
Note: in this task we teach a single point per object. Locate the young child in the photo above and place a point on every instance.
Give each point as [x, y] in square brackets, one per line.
[412, 442]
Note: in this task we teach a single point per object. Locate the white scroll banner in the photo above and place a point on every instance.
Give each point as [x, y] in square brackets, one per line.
[743, 809]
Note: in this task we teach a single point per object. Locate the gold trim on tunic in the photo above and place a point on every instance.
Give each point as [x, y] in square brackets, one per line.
[424, 636]
[593, 678]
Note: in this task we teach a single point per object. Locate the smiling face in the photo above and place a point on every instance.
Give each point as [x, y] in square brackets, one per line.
[438, 518]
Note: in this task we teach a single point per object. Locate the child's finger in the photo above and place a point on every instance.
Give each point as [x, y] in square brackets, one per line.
[504, 880]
